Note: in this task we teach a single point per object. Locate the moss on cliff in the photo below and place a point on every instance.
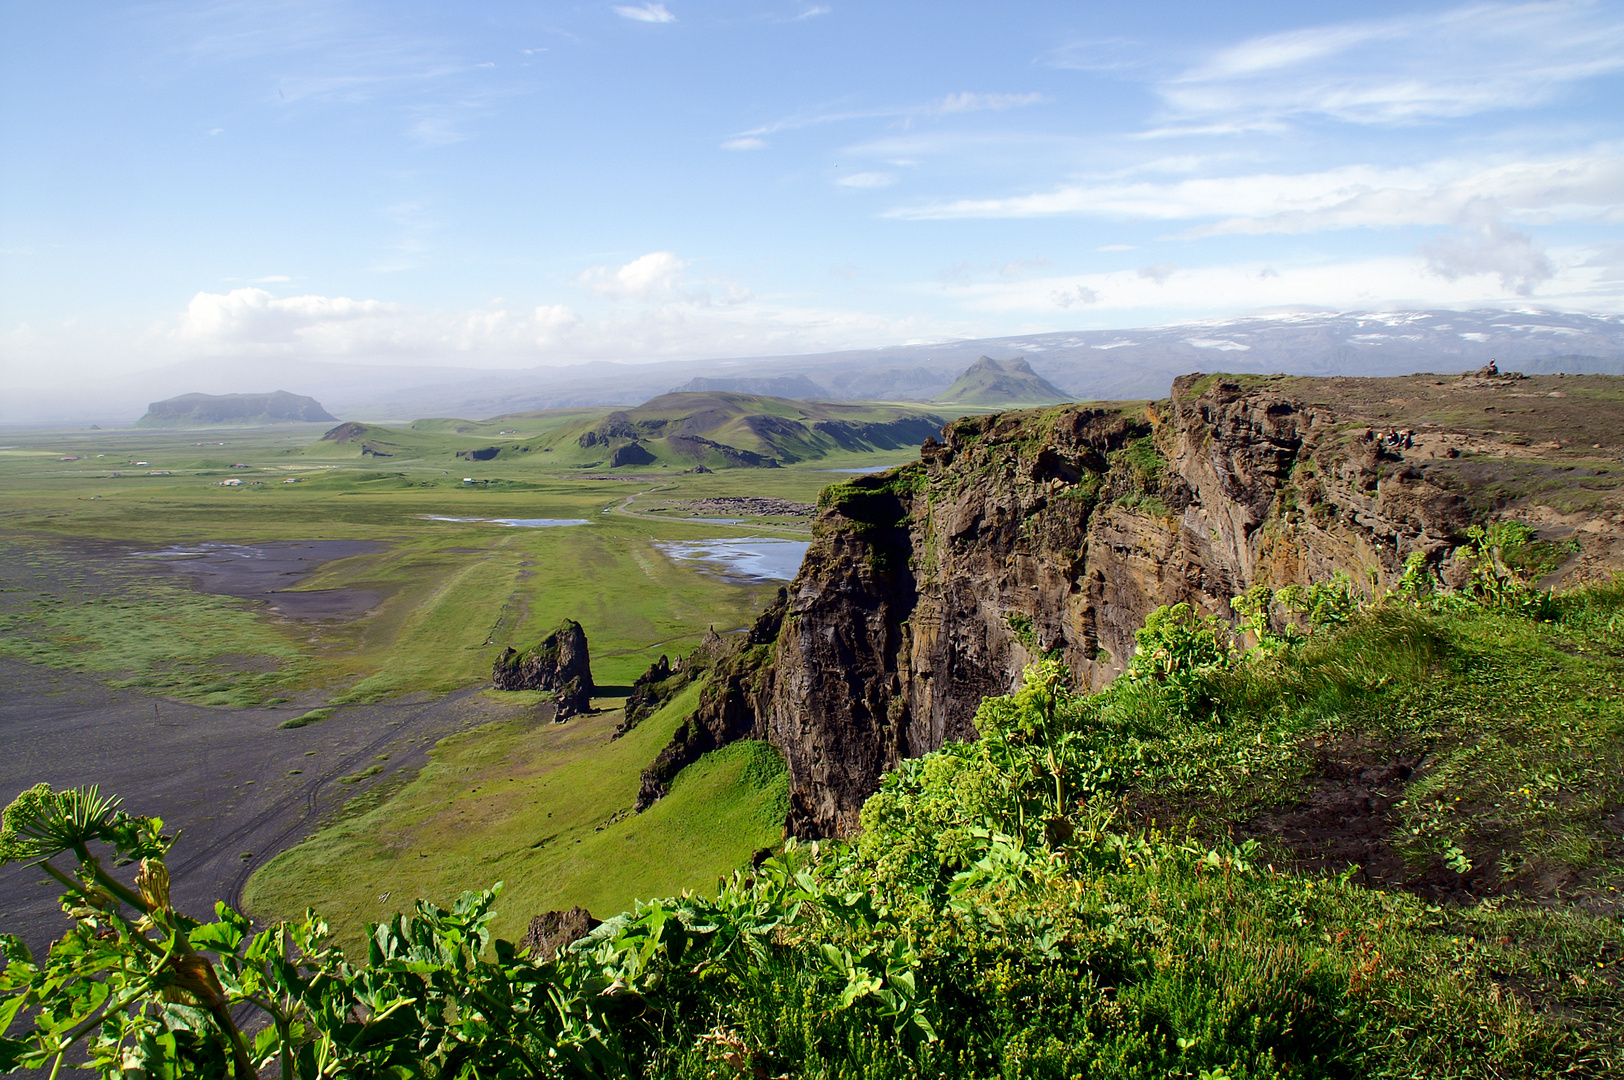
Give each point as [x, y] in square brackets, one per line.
[875, 508]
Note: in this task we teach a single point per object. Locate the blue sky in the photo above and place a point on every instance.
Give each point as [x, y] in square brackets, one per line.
[505, 184]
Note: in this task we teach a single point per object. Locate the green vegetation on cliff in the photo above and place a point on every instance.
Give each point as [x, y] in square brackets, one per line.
[1106, 885]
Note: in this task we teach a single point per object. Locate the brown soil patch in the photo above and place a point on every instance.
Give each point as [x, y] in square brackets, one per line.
[1346, 819]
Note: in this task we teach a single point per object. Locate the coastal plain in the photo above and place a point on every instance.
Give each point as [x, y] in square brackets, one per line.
[324, 620]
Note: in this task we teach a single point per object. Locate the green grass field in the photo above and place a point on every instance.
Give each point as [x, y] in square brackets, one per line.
[545, 808]
[453, 592]
[450, 595]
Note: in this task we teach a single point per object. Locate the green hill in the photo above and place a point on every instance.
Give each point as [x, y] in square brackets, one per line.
[1001, 383]
[721, 429]
[716, 430]
[214, 410]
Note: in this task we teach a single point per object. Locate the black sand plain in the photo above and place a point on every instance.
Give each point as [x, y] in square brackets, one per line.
[235, 786]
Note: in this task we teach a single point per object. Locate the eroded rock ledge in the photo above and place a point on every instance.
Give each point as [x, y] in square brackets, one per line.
[1057, 531]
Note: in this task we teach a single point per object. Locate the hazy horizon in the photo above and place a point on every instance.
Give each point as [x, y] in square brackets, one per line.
[509, 187]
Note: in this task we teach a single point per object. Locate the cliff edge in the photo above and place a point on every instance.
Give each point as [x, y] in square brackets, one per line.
[1054, 532]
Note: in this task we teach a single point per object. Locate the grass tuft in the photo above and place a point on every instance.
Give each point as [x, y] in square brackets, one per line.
[312, 717]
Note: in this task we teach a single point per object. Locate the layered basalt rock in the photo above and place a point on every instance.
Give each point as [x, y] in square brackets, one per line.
[1055, 532]
[560, 663]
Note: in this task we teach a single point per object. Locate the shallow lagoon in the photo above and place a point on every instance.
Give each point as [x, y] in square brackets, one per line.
[865, 468]
[746, 560]
[522, 523]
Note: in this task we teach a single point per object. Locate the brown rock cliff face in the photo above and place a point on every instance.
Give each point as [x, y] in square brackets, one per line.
[1056, 532]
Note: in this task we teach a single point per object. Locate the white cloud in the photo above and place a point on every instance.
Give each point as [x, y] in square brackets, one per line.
[1354, 196]
[658, 272]
[952, 103]
[1075, 296]
[812, 12]
[867, 180]
[1159, 273]
[969, 102]
[1515, 257]
[1016, 268]
[746, 142]
[255, 318]
[664, 322]
[1575, 282]
[1097, 54]
[649, 13]
[554, 322]
[1451, 63]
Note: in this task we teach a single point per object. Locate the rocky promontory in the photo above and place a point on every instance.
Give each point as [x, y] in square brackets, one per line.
[1054, 532]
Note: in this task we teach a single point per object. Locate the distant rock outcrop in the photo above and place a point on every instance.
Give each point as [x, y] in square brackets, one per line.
[740, 688]
[1001, 383]
[370, 436]
[695, 447]
[346, 432]
[560, 663]
[649, 692]
[213, 410]
[632, 453]
[728, 429]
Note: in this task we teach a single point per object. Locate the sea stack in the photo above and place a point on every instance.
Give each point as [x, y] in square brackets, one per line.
[560, 663]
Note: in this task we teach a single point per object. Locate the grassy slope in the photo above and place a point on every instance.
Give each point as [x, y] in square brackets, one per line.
[1085, 941]
[523, 802]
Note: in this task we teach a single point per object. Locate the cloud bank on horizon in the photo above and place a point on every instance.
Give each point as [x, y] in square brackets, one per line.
[512, 185]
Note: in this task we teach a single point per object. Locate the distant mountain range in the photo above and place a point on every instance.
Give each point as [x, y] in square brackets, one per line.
[1091, 364]
[236, 410]
[783, 386]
